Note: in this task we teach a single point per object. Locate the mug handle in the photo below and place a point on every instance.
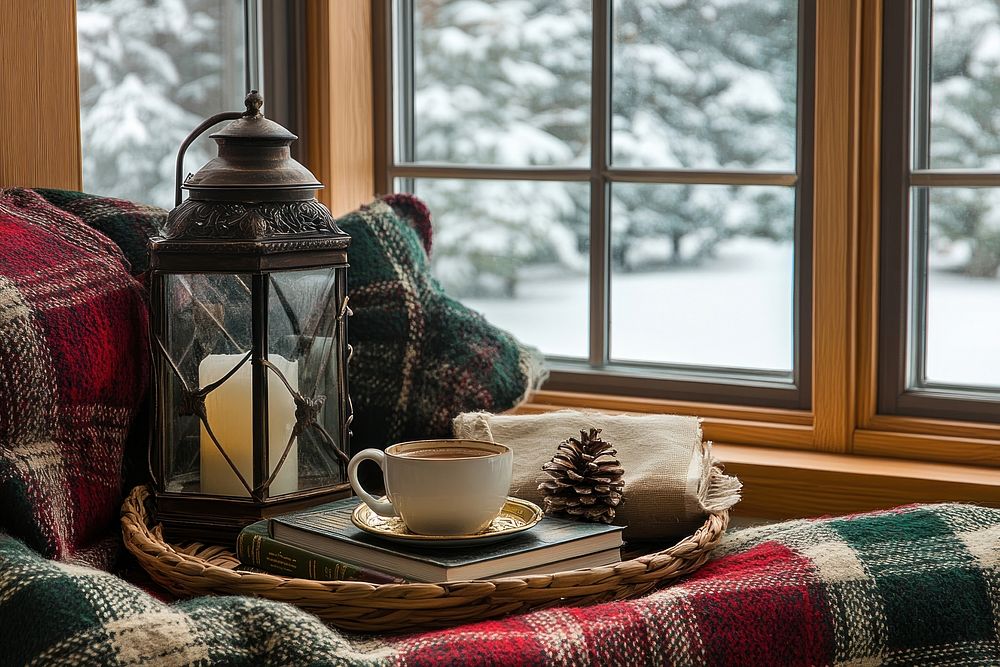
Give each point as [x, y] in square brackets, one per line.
[380, 507]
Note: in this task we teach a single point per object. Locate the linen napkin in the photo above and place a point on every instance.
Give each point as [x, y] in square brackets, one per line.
[671, 479]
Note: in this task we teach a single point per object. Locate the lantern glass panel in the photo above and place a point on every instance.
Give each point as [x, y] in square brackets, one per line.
[208, 326]
[303, 311]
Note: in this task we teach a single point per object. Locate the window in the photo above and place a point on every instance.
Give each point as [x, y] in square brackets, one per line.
[152, 70]
[940, 294]
[626, 184]
[149, 73]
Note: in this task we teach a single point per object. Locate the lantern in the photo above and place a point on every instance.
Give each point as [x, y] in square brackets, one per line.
[249, 325]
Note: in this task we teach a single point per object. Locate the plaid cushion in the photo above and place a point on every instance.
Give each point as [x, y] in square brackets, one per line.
[912, 586]
[420, 357]
[129, 225]
[73, 372]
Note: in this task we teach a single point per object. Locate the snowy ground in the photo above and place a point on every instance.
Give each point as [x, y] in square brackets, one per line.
[963, 329]
[736, 310]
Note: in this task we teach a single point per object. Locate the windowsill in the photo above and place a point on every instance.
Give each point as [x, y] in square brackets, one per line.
[787, 483]
[771, 452]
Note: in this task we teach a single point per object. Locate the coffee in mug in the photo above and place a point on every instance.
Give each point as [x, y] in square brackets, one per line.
[440, 487]
[444, 453]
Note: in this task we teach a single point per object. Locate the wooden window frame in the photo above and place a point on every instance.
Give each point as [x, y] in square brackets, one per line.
[785, 390]
[903, 388]
[841, 455]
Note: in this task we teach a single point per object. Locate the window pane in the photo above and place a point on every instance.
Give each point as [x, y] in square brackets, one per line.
[505, 82]
[517, 251]
[150, 71]
[963, 284]
[703, 275]
[965, 84]
[705, 84]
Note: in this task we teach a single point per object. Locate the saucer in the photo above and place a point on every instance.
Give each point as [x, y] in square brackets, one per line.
[515, 517]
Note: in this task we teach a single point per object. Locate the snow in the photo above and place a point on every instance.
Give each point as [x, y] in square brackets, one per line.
[149, 73]
[735, 311]
[683, 316]
[756, 90]
[963, 318]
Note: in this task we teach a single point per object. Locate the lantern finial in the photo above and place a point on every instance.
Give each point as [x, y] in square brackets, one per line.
[254, 102]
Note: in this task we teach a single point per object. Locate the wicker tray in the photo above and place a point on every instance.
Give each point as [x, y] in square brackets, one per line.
[196, 569]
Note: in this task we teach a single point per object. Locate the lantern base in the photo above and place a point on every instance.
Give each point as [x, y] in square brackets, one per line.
[218, 520]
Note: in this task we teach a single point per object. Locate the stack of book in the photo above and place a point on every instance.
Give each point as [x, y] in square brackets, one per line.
[323, 543]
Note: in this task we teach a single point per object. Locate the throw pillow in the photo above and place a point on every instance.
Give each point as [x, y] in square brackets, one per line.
[128, 224]
[73, 373]
[420, 357]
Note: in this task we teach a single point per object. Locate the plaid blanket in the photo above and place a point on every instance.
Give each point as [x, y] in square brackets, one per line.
[913, 586]
[73, 373]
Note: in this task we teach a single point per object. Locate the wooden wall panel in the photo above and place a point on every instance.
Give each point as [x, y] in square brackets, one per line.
[39, 94]
[340, 129]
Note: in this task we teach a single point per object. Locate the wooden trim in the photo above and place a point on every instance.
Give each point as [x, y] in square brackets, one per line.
[40, 104]
[613, 403]
[940, 427]
[955, 178]
[786, 484]
[869, 193]
[724, 423]
[926, 447]
[340, 139]
[834, 222]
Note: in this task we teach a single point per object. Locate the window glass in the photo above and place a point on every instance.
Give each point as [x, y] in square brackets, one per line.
[496, 127]
[964, 84]
[150, 71]
[962, 288]
[706, 84]
[954, 266]
[703, 275]
[497, 83]
[516, 251]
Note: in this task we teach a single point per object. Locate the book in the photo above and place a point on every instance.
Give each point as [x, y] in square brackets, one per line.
[607, 557]
[257, 550]
[327, 530]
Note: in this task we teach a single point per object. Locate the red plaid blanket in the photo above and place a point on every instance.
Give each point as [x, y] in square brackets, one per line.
[912, 586]
[73, 368]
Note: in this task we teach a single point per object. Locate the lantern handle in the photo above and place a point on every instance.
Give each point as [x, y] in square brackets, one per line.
[197, 132]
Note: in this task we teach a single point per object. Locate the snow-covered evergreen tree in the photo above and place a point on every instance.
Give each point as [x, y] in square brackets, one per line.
[965, 128]
[150, 71]
[703, 84]
[502, 83]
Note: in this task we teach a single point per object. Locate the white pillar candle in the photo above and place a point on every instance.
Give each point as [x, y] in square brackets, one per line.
[230, 413]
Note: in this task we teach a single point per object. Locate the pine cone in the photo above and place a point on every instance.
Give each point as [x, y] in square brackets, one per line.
[585, 479]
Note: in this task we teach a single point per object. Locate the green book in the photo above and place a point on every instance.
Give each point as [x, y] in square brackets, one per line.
[554, 545]
[257, 549]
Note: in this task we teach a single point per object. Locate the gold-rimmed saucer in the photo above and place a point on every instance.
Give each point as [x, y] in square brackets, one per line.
[515, 517]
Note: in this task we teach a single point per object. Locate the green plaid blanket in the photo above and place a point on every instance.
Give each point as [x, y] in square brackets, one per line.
[912, 586]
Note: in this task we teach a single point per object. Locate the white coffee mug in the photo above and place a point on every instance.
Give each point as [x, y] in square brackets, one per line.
[440, 487]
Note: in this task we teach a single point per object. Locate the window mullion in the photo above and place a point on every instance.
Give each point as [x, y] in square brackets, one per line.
[921, 73]
[600, 206]
[405, 93]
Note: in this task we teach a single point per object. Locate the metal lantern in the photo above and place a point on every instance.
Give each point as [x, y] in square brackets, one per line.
[249, 327]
